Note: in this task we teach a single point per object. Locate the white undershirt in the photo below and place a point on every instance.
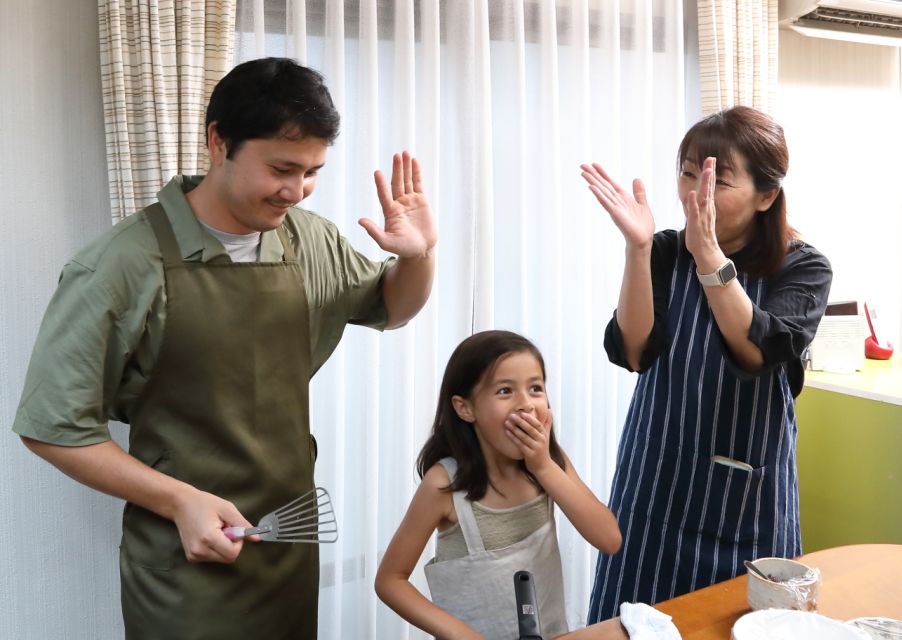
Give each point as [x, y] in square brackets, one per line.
[241, 247]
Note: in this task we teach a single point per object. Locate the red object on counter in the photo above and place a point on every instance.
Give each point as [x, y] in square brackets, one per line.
[875, 351]
[873, 348]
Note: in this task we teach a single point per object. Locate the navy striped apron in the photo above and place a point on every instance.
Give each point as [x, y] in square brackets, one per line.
[688, 521]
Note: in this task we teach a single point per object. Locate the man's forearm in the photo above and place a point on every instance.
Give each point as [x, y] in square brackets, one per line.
[406, 288]
[107, 468]
[199, 516]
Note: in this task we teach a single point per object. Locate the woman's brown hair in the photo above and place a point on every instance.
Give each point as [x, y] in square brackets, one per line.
[759, 140]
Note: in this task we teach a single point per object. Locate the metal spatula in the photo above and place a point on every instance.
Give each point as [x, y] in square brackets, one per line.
[308, 519]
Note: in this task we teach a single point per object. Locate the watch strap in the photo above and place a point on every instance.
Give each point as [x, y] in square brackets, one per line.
[721, 277]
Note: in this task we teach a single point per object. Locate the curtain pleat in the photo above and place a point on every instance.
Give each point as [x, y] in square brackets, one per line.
[576, 354]
[259, 28]
[500, 102]
[483, 174]
[548, 308]
[159, 62]
[337, 422]
[367, 152]
[737, 42]
[297, 29]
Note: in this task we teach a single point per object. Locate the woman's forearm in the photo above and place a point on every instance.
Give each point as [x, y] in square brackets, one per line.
[732, 310]
[635, 308]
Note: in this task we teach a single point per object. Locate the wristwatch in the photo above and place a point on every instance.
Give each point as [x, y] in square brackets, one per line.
[725, 274]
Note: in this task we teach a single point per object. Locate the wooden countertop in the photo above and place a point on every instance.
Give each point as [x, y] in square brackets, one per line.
[856, 581]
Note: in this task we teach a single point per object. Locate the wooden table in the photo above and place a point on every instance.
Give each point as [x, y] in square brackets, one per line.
[858, 580]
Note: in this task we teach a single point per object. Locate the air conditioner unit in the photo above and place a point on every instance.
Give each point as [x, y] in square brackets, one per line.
[869, 21]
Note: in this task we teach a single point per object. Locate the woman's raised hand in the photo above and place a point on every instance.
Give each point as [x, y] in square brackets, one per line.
[701, 218]
[630, 213]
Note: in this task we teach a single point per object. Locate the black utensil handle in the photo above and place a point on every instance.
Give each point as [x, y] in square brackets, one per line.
[527, 606]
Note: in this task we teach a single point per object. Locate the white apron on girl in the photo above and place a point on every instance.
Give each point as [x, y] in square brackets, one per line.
[479, 587]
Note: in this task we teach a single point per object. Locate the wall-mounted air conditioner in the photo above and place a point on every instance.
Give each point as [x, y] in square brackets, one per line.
[869, 21]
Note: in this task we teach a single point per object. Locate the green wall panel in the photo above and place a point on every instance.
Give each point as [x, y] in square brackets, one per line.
[850, 470]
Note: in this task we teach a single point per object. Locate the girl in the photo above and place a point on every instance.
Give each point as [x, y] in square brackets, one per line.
[492, 471]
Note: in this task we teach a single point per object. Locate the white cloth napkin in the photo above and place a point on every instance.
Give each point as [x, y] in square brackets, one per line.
[647, 623]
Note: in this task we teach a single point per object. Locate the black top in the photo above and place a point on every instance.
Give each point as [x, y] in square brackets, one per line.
[782, 327]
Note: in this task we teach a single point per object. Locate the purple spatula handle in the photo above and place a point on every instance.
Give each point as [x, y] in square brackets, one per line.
[234, 533]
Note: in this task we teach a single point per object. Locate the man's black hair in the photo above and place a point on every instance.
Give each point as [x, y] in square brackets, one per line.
[269, 98]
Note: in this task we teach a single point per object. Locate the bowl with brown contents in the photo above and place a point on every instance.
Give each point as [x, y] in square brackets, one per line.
[789, 585]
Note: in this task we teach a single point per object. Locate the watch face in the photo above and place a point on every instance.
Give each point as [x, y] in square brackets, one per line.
[727, 272]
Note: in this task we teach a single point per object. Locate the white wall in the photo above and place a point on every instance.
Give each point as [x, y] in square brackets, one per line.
[840, 104]
[58, 558]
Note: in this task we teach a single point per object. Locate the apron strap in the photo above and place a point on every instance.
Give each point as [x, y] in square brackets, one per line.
[464, 510]
[169, 247]
[287, 249]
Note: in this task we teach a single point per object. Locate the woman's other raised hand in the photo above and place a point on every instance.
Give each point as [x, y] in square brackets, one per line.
[630, 212]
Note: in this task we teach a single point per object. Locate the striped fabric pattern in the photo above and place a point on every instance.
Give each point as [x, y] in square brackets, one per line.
[688, 521]
[737, 50]
[160, 59]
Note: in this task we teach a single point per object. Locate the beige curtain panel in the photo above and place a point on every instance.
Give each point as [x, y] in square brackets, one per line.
[737, 43]
[159, 62]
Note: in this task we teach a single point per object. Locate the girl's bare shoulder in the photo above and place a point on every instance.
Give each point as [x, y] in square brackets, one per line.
[435, 484]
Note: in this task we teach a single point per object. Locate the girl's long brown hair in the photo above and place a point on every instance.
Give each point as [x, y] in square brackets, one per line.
[472, 361]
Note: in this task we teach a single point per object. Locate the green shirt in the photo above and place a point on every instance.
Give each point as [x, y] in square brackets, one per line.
[102, 331]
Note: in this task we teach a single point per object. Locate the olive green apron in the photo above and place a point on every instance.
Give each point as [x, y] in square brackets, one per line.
[225, 410]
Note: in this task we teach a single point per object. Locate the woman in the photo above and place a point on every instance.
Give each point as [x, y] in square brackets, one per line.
[715, 319]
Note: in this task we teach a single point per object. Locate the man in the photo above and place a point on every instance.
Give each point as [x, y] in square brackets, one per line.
[199, 321]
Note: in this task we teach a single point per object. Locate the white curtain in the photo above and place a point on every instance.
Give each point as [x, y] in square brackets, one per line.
[159, 61]
[737, 41]
[501, 101]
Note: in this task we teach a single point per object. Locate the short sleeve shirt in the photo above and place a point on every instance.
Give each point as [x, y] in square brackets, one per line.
[101, 334]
